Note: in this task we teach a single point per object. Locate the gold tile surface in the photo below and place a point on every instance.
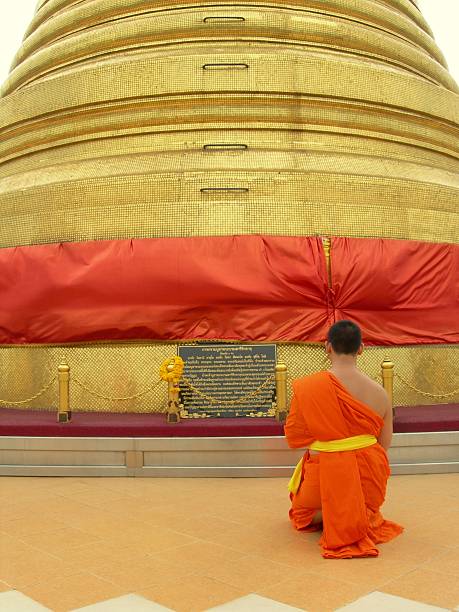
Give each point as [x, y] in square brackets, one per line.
[346, 112]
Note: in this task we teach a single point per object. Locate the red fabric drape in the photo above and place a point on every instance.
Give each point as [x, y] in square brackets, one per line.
[398, 291]
[250, 288]
[236, 287]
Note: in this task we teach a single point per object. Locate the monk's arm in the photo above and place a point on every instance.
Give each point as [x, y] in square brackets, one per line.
[295, 427]
[385, 436]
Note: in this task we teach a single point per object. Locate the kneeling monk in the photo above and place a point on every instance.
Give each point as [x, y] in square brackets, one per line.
[345, 420]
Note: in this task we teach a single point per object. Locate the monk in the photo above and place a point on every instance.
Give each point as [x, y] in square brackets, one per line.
[345, 420]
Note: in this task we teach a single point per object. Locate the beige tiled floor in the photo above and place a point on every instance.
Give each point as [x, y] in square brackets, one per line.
[195, 544]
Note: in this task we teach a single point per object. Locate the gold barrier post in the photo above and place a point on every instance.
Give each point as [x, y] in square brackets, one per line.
[64, 414]
[387, 372]
[173, 407]
[281, 392]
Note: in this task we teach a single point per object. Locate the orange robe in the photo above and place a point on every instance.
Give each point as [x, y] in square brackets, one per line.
[349, 486]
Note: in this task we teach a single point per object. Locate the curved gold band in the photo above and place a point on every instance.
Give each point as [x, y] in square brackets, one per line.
[327, 33]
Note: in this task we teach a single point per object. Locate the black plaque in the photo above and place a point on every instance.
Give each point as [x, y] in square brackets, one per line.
[228, 372]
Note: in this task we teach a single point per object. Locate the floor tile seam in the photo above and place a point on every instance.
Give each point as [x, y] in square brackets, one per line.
[53, 558]
[144, 507]
[21, 507]
[106, 580]
[394, 579]
[282, 565]
[47, 495]
[75, 550]
[71, 526]
[422, 541]
[217, 544]
[32, 511]
[41, 550]
[416, 540]
[172, 547]
[437, 557]
[35, 533]
[96, 485]
[242, 522]
[46, 551]
[289, 565]
[100, 504]
[380, 585]
[44, 521]
[440, 552]
[254, 501]
[75, 497]
[117, 584]
[147, 585]
[358, 582]
[144, 557]
[143, 501]
[204, 573]
[319, 575]
[94, 505]
[193, 543]
[447, 547]
[20, 586]
[8, 507]
[238, 585]
[145, 525]
[21, 578]
[155, 555]
[71, 570]
[132, 531]
[188, 533]
[223, 582]
[242, 556]
[219, 518]
[435, 518]
[440, 573]
[67, 514]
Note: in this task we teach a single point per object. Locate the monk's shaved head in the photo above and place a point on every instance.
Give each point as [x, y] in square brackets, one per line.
[345, 338]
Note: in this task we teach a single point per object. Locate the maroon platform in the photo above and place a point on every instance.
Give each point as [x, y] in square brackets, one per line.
[443, 417]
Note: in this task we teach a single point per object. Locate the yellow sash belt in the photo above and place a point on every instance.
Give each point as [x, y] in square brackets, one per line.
[332, 446]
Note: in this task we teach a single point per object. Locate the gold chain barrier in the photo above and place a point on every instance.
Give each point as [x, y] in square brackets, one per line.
[239, 400]
[64, 413]
[426, 393]
[29, 399]
[116, 399]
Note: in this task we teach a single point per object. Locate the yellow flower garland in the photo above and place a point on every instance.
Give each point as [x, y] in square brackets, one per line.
[172, 374]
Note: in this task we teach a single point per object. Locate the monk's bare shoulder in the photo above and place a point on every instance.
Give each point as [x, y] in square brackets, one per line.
[377, 395]
[373, 384]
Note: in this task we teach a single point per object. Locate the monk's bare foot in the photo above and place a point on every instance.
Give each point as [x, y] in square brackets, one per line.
[317, 518]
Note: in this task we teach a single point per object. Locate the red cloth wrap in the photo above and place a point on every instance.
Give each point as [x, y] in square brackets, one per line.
[399, 292]
[251, 288]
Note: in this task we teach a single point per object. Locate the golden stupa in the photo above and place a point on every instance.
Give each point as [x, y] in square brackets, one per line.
[127, 119]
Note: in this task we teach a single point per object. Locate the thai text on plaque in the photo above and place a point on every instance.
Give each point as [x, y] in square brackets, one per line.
[228, 380]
